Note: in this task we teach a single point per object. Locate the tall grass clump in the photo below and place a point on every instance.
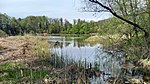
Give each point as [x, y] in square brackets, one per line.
[41, 47]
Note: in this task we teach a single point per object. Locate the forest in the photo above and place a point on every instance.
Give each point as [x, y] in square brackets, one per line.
[44, 24]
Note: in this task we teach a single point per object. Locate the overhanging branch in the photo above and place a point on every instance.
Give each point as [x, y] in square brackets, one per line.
[116, 15]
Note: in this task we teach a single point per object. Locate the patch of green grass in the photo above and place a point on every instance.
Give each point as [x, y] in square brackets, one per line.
[11, 65]
[17, 73]
[10, 70]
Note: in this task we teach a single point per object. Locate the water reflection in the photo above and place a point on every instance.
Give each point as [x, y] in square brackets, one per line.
[73, 47]
[90, 55]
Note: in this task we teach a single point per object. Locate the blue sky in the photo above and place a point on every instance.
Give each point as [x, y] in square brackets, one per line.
[69, 9]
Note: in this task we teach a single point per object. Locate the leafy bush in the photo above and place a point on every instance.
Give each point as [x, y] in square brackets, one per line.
[2, 33]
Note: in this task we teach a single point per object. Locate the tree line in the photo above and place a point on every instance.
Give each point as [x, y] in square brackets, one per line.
[43, 24]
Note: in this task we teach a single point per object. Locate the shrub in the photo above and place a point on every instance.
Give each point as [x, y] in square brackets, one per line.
[2, 33]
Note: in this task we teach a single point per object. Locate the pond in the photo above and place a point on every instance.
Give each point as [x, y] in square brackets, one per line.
[90, 54]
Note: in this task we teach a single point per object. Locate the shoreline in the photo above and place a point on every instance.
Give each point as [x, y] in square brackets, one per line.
[34, 59]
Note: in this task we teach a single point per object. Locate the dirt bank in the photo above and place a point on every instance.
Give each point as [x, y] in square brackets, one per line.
[18, 48]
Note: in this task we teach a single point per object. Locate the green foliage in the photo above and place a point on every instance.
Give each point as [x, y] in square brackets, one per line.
[19, 73]
[43, 24]
[2, 33]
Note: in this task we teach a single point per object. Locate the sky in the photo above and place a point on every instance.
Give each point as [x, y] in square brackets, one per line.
[67, 9]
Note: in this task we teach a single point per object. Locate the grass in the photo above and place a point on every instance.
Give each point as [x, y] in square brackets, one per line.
[106, 40]
[41, 47]
[45, 67]
[145, 63]
[18, 72]
[42, 67]
[40, 44]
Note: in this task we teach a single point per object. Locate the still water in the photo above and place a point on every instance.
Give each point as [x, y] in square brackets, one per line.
[72, 48]
[77, 49]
